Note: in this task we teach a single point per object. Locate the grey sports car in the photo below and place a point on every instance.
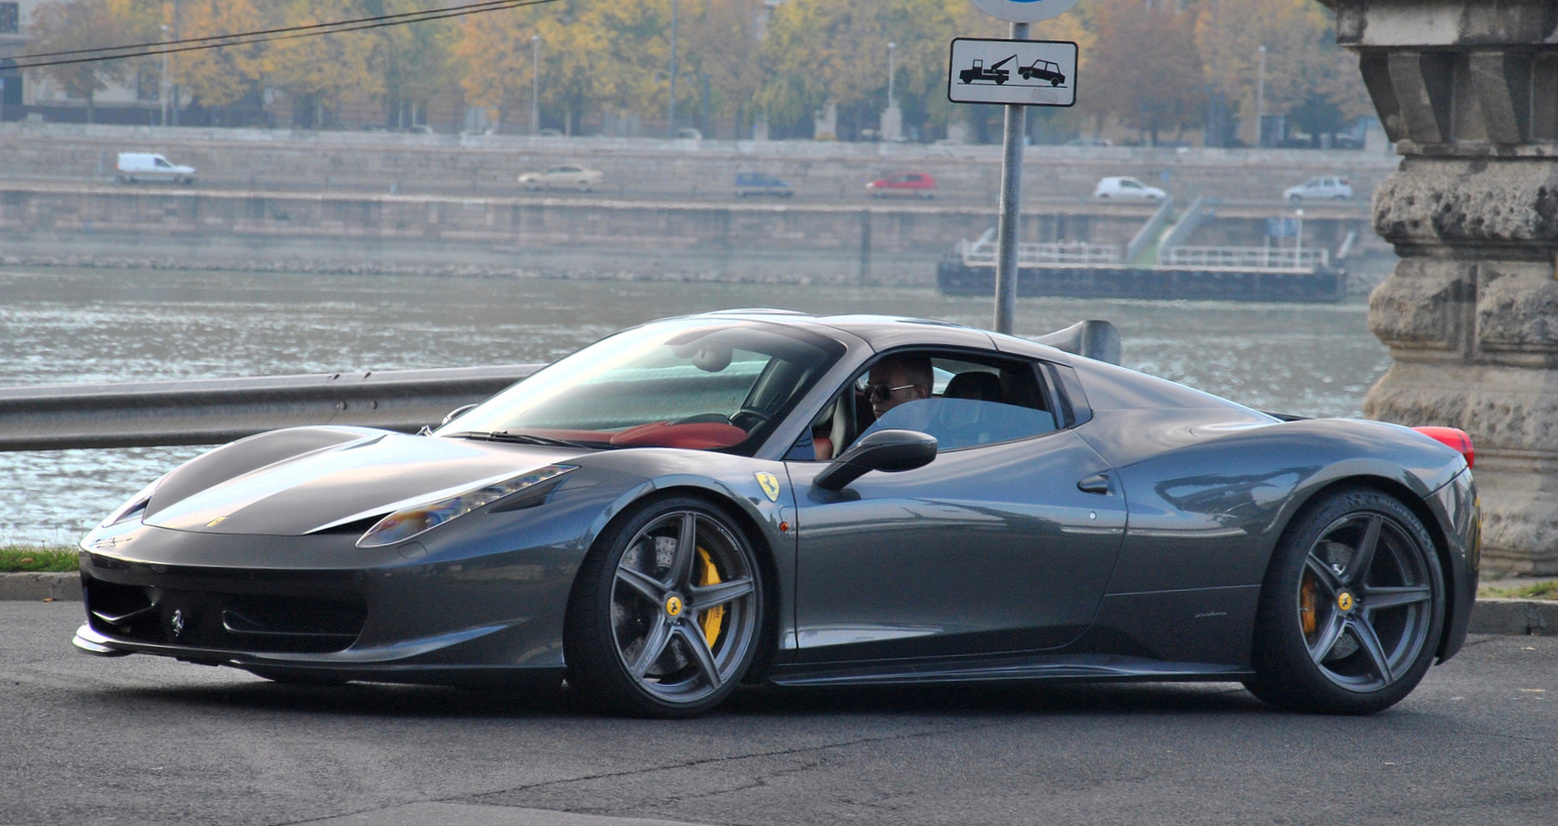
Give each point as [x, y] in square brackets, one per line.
[810, 501]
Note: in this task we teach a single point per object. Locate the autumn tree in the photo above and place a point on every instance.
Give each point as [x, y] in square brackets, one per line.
[413, 62]
[1146, 69]
[219, 77]
[317, 72]
[1308, 77]
[823, 52]
[62, 25]
[494, 52]
[716, 51]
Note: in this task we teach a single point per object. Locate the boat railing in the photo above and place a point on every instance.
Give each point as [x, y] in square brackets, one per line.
[983, 253]
[1248, 258]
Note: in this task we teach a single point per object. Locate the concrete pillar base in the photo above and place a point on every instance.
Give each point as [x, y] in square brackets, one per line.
[1465, 89]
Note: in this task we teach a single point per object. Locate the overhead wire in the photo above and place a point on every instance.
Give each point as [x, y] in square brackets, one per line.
[193, 44]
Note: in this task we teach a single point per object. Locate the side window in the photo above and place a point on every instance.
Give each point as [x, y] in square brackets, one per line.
[971, 401]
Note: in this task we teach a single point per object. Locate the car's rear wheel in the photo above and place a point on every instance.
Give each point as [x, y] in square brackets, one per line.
[667, 612]
[1351, 608]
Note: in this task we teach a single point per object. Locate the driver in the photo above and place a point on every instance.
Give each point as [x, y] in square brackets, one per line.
[898, 379]
[892, 381]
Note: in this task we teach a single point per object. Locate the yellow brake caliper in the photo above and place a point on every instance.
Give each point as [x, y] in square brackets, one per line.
[710, 619]
[1306, 605]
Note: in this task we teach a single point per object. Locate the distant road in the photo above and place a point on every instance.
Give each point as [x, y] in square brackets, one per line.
[142, 740]
[714, 195]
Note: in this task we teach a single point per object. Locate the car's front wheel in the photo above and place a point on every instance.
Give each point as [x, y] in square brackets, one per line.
[1351, 609]
[667, 613]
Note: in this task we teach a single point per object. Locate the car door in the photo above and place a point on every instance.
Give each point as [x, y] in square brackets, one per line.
[993, 547]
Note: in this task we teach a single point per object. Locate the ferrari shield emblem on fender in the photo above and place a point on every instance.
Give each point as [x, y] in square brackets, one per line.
[770, 484]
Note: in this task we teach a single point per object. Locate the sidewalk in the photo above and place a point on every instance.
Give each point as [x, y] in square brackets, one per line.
[1489, 616]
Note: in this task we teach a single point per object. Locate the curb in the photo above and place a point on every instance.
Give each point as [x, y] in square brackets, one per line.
[40, 587]
[1520, 617]
[1516, 617]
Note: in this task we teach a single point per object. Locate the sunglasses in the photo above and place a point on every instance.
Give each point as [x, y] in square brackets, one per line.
[881, 392]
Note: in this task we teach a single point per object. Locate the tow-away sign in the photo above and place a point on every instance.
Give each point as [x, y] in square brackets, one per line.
[1024, 11]
[1023, 72]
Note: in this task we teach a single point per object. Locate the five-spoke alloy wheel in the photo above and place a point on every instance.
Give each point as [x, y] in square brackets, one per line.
[667, 611]
[1351, 609]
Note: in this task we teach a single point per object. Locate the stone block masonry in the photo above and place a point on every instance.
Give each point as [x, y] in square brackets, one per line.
[1469, 91]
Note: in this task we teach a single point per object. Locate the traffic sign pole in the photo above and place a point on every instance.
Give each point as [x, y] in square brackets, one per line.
[1009, 226]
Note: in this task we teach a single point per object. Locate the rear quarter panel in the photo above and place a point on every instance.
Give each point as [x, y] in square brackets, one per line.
[1209, 501]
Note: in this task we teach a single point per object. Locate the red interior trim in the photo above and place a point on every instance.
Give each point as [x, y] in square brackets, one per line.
[693, 435]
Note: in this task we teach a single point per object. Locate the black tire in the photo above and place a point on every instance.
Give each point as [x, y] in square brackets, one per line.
[678, 577]
[1352, 607]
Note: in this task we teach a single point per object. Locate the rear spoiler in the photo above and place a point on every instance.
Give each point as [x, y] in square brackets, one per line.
[1094, 339]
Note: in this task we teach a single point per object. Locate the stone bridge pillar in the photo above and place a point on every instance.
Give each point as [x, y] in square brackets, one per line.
[1468, 90]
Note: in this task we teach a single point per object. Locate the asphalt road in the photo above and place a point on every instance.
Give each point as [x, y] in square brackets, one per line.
[713, 193]
[142, 740]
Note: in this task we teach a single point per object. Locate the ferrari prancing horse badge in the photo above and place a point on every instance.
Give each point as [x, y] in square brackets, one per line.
[770, 484]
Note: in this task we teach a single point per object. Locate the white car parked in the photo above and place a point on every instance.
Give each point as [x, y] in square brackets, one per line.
[145, 166]
[562, 177]
[1125, 187]
[1330, 188]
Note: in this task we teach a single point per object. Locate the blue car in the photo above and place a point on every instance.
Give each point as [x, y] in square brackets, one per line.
[761, 183]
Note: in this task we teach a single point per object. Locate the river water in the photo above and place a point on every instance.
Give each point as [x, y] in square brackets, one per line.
[61, 326]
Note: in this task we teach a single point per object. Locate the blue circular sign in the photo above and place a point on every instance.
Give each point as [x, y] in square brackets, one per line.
[1024, 11]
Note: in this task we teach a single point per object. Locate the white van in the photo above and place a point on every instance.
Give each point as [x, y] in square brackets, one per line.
[145, 166]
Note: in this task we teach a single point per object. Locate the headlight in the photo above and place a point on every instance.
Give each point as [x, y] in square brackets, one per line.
[133, 508]
[417, 519]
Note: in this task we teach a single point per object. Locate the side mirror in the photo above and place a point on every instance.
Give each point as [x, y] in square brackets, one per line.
[889, 451]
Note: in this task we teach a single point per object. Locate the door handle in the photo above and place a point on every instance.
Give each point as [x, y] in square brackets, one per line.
[1097, 483]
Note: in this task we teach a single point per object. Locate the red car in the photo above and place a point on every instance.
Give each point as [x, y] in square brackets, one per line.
[905, 183]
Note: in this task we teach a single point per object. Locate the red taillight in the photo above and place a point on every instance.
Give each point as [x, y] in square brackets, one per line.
[1454, 437]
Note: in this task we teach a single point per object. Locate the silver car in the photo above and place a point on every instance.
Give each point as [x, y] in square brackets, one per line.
[562, 177]
[1323, 188]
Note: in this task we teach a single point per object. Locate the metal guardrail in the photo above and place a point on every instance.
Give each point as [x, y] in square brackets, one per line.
[214, 411]
[1248, 258]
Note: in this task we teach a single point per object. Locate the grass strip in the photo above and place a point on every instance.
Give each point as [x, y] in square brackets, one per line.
[1536, 590]
[23, 559]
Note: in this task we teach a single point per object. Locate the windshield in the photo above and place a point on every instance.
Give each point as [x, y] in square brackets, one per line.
[682, 383]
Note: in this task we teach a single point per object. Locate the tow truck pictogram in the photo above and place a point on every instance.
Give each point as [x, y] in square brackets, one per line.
[995, 72]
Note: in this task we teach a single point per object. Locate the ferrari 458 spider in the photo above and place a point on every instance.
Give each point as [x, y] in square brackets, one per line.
[810, 501]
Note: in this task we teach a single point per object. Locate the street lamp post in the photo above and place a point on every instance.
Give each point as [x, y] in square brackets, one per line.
[1260, 101]
[892, 50]
[162, 86]
[535, 84]
[671, 107]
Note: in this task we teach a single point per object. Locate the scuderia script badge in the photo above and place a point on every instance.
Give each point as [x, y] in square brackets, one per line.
[770, 484]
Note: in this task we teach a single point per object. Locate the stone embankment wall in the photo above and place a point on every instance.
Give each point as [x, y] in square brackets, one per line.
[334, 201]
[560, 237]
[488, 164]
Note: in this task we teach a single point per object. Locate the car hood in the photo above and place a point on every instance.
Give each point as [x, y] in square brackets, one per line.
[366, 474]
